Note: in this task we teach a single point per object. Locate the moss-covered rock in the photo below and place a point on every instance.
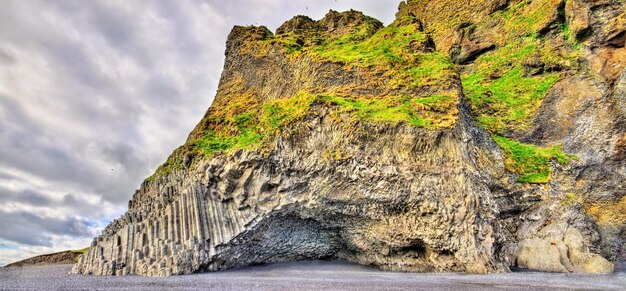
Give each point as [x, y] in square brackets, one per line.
[464, 136]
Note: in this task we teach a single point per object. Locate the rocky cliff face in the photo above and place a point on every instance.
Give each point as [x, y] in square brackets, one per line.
[464, 137]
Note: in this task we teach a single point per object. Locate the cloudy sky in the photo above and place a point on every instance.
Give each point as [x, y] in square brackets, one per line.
[94, 95]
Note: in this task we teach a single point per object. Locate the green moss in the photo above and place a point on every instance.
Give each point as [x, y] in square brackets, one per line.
[571, 199]
[81, 251]
[505, 88]
[429, 112]
[282, 112]
[396, 50]
[532, 163]
[391, 109]
[260, 123]
[527, 18]
[246, 124]
[213, 142]
[291, 43]
[431, 68]
[233, 129]
[569, 36]
[388, 46]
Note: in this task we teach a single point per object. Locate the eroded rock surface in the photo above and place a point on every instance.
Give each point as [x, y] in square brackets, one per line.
[343, 138]
[406, 200]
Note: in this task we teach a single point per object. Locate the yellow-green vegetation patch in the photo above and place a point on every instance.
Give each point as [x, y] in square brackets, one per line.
[429, 70]
[241, 123]
[388, 47]
[247, 124]
[527, 17]
[571, 199]
[436, 111]
[290, 43]
[236, 127]
[81, 251]
[505, 88]
[250, 124]
[398, 50]
[532, 163]
[281, 112]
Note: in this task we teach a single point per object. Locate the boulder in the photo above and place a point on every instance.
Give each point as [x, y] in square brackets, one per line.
[539, 254]
[567, 255]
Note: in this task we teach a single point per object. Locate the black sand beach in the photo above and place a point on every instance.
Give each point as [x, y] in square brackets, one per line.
[312, 275]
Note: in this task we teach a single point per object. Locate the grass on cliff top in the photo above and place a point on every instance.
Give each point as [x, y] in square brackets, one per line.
[532, 163]
[81, 251]
[244, 123]
[388, 47]
[504, 88]
[397, 50]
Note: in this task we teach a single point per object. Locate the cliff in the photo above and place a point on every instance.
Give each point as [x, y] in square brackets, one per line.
[466, 136]
[64, 257]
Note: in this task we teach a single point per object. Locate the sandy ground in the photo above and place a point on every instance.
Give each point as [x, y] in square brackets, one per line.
[313, 275]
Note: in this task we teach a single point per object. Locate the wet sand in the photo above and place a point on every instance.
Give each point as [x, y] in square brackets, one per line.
[312, 275]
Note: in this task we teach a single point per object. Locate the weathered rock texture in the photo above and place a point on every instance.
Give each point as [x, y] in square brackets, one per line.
[413, 185]
[410, 199]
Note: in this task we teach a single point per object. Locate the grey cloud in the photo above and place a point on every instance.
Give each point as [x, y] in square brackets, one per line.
[27, 196]
[33, 198]
[6, 58]
[38, 154]
[31, 229]
[112, 24]
[68, 203]
[5, 176]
